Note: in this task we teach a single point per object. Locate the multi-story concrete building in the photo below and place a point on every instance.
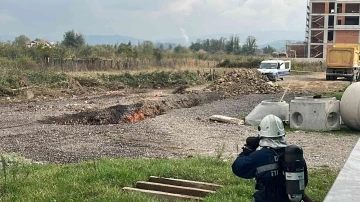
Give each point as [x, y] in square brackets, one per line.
[328, 22]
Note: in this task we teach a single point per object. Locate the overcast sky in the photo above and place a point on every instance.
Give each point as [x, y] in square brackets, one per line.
[150, 19]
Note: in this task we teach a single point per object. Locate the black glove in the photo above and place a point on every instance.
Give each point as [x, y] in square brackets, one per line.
[252, 143]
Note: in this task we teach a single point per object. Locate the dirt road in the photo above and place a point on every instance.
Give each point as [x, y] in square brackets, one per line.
[311, 83]
[176, 133]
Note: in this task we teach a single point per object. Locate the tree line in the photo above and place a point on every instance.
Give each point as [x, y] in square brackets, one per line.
[74, 45]
[229, 46]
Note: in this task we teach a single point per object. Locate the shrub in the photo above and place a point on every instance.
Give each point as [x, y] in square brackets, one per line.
[153, 79]
[47, 78]
[307, 66]
[250, 62]
[26, 62]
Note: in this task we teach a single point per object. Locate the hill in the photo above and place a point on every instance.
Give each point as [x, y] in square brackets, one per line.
[278, 45]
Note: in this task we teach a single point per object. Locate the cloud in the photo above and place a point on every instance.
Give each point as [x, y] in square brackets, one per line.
[158, 19]
[134, 5]
[183, 7]
[267, 15]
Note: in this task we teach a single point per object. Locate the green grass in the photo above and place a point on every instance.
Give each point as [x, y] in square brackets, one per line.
[338, 95]
[307, 66]
[47, 78]
[102, 180]
[320, 182]
[156, 78]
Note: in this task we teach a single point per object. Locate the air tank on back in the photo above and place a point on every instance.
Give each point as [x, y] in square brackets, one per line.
[350, 106]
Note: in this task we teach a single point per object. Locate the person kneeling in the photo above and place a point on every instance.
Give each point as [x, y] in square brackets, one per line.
[279, 169]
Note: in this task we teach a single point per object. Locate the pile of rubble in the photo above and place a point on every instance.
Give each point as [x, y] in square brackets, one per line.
[244, 81]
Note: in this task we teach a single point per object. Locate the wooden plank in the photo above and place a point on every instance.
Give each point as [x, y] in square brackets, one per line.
[185, 183]
[226, 119]
[163, 195]
[190, 191]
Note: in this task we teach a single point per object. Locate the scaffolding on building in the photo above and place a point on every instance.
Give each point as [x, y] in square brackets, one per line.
[327, 23]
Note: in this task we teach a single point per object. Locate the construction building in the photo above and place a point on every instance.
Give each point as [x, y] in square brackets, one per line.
[327, 22]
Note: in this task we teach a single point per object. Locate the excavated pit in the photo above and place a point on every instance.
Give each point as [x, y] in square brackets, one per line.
[135, 112]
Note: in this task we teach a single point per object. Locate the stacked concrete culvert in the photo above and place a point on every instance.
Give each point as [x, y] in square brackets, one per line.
[319, 114]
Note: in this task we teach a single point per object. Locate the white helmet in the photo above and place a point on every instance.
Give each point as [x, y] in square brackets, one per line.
[271, 126]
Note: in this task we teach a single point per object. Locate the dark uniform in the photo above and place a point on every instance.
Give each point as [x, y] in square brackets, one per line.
[264, 166]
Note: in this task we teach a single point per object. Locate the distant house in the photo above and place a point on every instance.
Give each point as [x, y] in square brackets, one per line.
[30, 43]
[202, 51]
[41, 42]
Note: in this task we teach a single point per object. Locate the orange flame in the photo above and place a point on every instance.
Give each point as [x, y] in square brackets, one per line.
[137, 115]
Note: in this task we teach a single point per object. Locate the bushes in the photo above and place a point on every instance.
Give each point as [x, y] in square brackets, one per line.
[254, 62]
[23, 62]
[10, 77]
[19, 73]
[26, 62]
[140, 80]
[154, 79]
[14, 78]
[6, 63]
[10, 80]
[308, 66]
[250, 62]
[47, 78]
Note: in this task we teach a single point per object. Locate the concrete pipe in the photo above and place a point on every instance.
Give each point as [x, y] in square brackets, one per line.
[350, 106]
[266, 107]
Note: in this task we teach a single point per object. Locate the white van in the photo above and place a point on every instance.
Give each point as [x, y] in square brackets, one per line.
[275, 69]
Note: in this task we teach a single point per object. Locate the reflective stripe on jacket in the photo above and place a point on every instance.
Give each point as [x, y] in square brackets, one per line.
[264, 167]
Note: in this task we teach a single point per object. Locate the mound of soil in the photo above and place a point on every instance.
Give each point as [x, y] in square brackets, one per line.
[135, 112]
[244, 81]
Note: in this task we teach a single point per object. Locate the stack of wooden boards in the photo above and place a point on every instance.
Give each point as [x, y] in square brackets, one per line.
[174, 189]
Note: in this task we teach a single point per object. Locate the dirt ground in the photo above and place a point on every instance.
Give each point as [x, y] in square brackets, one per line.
[311, 83]
[180, 131]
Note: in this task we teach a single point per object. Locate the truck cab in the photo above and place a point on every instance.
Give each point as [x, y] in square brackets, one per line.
[275, 69]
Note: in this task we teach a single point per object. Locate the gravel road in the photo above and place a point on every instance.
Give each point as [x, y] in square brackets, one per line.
[178, 133]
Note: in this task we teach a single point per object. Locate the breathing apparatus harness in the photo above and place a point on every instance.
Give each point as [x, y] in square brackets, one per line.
[290, 162]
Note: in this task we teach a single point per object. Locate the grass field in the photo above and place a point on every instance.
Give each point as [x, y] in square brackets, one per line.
[102, 180]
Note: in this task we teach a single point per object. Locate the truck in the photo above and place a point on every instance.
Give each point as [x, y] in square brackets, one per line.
[342, 60]
[275, 69]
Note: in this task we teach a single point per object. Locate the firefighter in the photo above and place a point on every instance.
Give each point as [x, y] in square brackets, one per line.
[264, 164]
